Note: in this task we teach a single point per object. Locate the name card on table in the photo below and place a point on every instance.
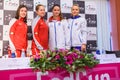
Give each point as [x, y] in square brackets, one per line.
[107, 58]
[14, 63]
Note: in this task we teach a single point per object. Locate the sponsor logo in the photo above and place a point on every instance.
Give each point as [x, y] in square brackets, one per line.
[66, 6]
[11, 3]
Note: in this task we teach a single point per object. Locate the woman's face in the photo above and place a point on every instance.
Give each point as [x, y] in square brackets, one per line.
[41, 11]
[75, 11]
[56, 11]
[23, 12]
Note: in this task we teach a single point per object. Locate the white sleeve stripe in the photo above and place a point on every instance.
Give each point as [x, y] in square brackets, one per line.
[39, 46]
[10, 41]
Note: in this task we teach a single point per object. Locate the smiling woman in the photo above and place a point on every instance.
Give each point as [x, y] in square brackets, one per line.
[18, 32]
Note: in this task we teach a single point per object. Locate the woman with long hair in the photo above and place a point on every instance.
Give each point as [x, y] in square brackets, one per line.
[57, 29]
[18, 31]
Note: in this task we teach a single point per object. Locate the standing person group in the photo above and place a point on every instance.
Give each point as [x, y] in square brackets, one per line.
[67, 34]
[55, 33]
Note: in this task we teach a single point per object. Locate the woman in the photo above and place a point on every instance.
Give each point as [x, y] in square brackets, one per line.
[77, 29]
[18, 31]
[56, 29]
[40, 31]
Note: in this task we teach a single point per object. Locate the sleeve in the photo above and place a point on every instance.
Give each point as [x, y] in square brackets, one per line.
[83, 26]
[66, 33]
[12, 26]
[35, 32]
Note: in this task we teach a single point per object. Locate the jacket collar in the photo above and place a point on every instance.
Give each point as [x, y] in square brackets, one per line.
[21, 19]
[52, 19]
[75, 17]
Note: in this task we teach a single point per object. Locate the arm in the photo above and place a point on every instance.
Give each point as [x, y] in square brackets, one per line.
[12, 26]
[84, 34]
[35, 31]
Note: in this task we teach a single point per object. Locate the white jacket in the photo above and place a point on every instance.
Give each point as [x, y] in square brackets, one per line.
[56, 35]
[77, 29]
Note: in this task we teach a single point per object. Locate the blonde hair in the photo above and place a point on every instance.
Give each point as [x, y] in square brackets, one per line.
[76, 5]
[37, 7]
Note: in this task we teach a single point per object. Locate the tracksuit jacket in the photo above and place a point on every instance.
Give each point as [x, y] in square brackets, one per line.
[18, 34]
[77, 31]
[56, 34]
[40, 35]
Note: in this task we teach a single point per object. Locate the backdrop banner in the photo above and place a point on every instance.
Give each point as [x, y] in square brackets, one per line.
[100, 72]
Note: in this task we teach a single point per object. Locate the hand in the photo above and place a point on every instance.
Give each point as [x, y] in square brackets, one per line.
[83, 47]
[40, 48]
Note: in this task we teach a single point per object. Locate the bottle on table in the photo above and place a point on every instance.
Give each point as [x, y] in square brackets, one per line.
[13, 54]
[23, 53]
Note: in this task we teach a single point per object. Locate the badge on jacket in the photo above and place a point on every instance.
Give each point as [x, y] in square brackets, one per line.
[59, 24]
[76, 24]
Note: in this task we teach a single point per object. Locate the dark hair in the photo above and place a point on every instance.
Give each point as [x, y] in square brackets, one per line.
[37, 7]
[61, 16]
[18, 12]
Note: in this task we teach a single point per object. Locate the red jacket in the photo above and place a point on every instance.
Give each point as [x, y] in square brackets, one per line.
[40, 34]
[18, 34]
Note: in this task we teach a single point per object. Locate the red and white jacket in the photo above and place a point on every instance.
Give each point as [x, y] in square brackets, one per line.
[18, 34]
[40, 34]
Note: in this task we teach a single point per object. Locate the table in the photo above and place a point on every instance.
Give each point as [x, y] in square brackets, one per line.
[109, 71]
